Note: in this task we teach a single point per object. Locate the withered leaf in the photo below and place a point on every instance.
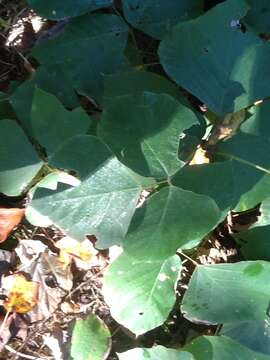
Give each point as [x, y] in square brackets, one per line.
[9, 219]
[22, 295]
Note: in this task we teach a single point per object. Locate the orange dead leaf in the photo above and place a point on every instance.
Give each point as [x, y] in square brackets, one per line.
[22, 295]
[9, 218]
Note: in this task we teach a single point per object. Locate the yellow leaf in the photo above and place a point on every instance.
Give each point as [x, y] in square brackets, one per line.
[71, 249]
[22, 295]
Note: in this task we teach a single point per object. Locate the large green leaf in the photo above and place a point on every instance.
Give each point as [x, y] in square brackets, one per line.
[258, 123]
[202, 348]
[242, 290]
[82, 154]
[141, 294]
[47, 79]
[19, 162]
[51, 124]
[91, 46]
[91, 339]
[21, 101]
[251, 167]
[221, 348]
[214, 180]
[258, 15]
[144, 132]
[252, 334]
[217, 62]
[48, 182]
[255, 243]
[102, 205]
[167, 221]
[155, 353]
[136, 82]
[157, 17]
[57, 9]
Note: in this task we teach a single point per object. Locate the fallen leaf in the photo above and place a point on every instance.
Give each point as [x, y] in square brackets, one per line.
[22, 295]
[82, 253]
[46, 269]
[9, 219]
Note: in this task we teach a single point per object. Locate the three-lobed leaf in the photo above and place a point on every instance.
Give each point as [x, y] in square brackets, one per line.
[102, 205]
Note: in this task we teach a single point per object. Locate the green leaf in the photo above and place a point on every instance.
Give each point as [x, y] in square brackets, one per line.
[48, 78]
[166, 221]
[144, 132]
[242, 289]
[91, 46]
[52, 124]
[57, 9]
[157, 17]
[156, 352]
[136, 82]
[255, 243]
[258, 15]
[21, 101]
[72, 155]
[217, 62]
[141, 294]
[214, 180]
[264, 218]
[91, 339]
[251, 168]
[220, 348]
[252, 334]
[258, 123]
[48, 182]
[19, 163]
[102, 205]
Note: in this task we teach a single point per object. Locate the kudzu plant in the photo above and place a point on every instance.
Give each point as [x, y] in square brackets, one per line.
[85, 173]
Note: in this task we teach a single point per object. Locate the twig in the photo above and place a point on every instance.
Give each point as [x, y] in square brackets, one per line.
[187, 257]
[4, 322]
[25, 356]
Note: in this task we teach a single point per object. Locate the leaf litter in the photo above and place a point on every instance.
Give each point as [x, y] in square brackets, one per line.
[47, 281]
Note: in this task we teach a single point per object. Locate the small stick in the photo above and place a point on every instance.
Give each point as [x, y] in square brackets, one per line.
[25, 356]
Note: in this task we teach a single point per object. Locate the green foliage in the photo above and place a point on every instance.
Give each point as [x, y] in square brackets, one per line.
[144, 289]
[157, 17]
[57, 9]
[126, 174]
[19, 162]
[90, 339]
[250, 302]
[218, 74]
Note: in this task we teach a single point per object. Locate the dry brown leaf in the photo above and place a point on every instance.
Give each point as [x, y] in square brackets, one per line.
[46, 269]
[22, 295]
[9, 219]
